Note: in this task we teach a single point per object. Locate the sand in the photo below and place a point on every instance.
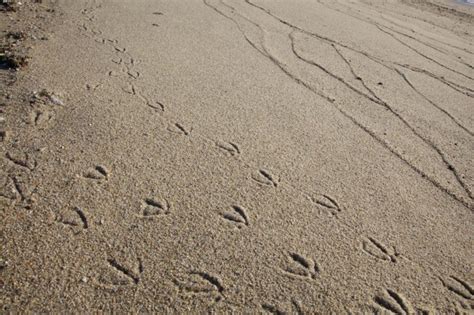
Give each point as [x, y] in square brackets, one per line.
[251, 156]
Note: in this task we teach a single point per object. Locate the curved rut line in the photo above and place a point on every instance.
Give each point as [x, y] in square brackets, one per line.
[354, 74]
[422, 54]
[391, 110]
[429, 37]
[429, 45]
[371, 133]
[395, 16]
[374, 23]
[455, 86]
[454, 119]
[373, 58]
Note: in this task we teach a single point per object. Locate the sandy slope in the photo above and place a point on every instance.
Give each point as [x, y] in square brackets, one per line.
[243, 156]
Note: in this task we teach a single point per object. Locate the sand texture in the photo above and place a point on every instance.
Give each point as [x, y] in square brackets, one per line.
[241, 156]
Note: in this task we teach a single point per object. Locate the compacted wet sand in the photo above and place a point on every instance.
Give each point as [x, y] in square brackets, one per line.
[240, 156]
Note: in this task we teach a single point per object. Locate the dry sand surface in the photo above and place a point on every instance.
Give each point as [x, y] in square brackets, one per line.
[239, 156]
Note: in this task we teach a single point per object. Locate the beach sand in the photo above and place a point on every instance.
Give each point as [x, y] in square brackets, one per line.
[225, 156]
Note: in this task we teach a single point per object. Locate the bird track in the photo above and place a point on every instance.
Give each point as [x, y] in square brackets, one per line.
[301, 266]
[238, 216]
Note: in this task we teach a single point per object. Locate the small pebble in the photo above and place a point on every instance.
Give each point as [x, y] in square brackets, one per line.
[55, 100]
[4, 135]
[3, 263]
